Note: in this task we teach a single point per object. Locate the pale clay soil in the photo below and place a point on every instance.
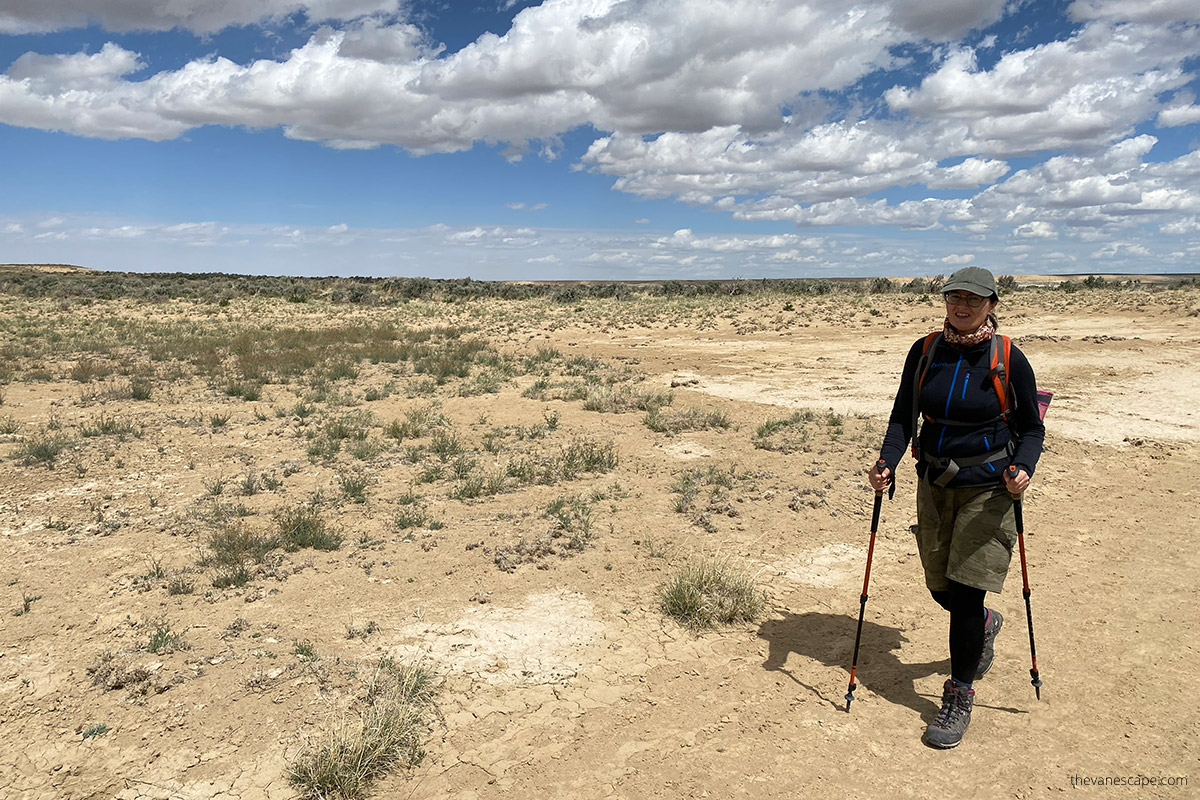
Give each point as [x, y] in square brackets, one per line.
[564, 680]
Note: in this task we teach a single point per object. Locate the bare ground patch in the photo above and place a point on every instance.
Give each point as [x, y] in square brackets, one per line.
[425, 456]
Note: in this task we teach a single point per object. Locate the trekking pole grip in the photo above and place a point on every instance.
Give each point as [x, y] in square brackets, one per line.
[1011, 472]
[880, 466]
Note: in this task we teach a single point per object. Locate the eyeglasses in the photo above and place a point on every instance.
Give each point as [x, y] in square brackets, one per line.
[956, 298]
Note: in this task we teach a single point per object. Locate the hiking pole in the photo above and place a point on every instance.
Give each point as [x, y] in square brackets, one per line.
[862, 601]
[1033, 672]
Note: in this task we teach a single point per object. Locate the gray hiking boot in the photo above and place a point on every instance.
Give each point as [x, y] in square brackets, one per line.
[951, 723]
[994, 623]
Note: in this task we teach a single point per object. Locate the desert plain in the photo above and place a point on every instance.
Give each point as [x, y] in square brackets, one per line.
[496, 491]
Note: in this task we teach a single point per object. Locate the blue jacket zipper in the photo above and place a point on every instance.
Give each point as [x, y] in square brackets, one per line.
[949, 397]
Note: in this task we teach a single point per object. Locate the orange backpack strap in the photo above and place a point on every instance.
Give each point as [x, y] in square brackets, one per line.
[918, 380]
[999, 369]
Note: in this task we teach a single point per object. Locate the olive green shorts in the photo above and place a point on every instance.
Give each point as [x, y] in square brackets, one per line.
[966, 535]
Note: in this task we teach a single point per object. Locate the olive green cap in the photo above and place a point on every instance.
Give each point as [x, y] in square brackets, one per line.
[976, 280]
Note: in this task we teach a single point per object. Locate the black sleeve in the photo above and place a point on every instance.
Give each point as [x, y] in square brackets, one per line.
[1026, 422]
[899, 429]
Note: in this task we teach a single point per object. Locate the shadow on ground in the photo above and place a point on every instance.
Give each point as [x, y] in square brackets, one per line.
[829, 639]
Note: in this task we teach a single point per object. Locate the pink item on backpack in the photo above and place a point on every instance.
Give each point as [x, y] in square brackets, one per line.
[1044, 399]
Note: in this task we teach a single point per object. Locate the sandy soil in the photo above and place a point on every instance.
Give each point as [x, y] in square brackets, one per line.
[562, 679]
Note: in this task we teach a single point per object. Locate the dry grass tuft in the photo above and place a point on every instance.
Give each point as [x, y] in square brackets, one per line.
[358, 751]
[692, 419]
[707, 592]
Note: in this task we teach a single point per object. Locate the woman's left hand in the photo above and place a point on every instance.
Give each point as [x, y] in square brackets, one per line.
[1018, 484]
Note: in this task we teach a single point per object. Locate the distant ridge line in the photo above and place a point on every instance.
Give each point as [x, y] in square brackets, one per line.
[1026, 279]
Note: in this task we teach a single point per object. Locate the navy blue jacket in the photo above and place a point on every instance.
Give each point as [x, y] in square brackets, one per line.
[958, 387]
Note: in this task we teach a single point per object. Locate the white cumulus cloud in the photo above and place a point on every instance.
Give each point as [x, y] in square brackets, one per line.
[1159, 11]
[958, 260]
[1182, 227]
[685, 239]
[1036, 229]
[825, 162]
[619, 66]
[1115, 249]
[753, 108]
[202, 16]
[1182, 110]
[1088, 89]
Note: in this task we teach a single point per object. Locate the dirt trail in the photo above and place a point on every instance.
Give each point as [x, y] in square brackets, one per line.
[562, 679]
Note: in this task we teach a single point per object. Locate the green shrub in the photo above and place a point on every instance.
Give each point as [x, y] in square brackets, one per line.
[354, 486]
[432, 473]
[784, 434]
[163, 640]
[365, 449]
[463, 466]
[691, 481]
[301, 527]
[246, 391]
[86, 370]
[232, 546]
[231, 576]
[140, 388]
[484, 383]
[42, 448]
[92, 731]
[408, 498]
[348, 426]
[27, 602]
[180, 586]
[445, 445]
[410, 517]
[588, 455]
[249, 484]
[477, 485]
[573, 519]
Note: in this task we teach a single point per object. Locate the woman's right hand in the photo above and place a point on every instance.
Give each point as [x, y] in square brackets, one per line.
[879, 477]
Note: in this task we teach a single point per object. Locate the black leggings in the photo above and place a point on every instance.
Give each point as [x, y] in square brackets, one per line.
[965, 604]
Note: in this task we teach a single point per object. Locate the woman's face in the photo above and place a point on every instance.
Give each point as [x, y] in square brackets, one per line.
[963, 317]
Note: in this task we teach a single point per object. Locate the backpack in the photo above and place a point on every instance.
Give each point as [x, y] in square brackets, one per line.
[1001, 347]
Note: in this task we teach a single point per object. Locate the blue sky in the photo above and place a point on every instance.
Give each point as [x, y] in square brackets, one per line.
[601, 139]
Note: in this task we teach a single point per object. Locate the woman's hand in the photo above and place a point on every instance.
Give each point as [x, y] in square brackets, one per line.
[1018, 483]
[880, 477]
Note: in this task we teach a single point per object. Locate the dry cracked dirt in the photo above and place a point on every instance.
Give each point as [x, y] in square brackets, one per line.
[499, 508]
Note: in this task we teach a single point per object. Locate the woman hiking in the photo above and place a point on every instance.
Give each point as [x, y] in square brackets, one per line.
[978, 399]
